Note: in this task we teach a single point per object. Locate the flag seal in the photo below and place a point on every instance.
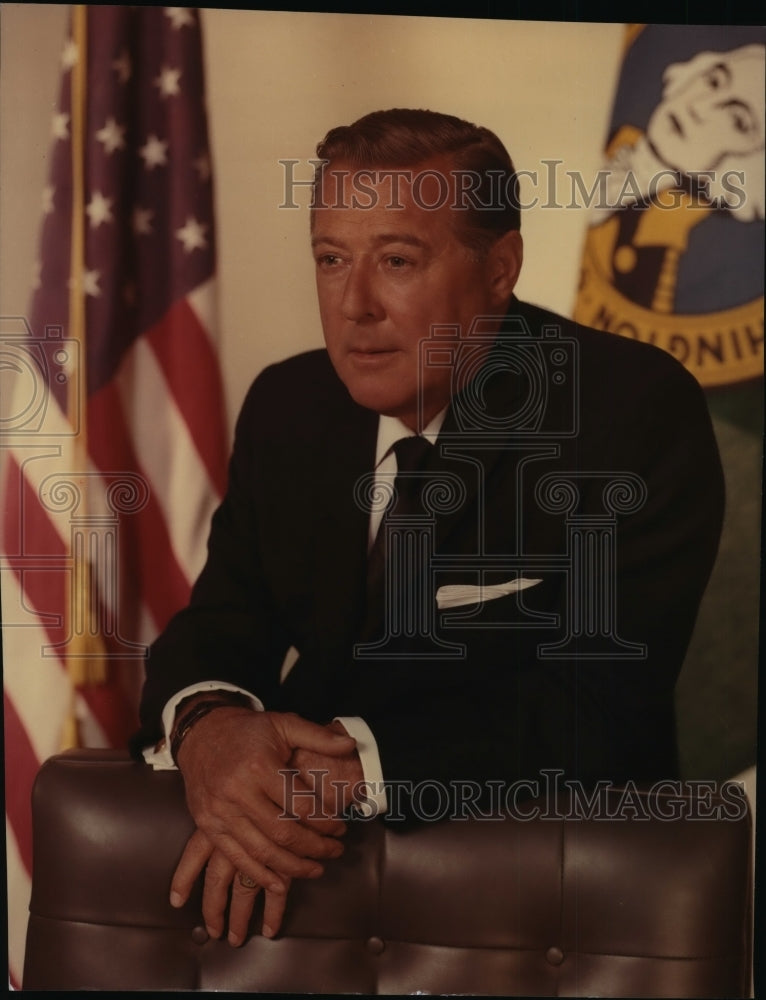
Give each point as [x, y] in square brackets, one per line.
[674, 251]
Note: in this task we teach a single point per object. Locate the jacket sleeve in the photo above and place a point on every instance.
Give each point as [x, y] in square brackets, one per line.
[229, 631]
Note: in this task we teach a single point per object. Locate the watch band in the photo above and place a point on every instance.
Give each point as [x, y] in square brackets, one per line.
[187, 722]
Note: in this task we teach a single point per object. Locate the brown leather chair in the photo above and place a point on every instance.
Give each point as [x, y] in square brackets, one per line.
[545, 906]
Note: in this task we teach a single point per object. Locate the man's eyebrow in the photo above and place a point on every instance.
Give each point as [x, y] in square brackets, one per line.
[742, 106]
[408, 238]
[380, 240]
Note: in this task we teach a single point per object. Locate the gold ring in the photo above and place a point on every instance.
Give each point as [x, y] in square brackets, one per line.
[245, 881]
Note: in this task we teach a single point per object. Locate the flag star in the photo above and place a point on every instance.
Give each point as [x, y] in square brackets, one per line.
[179, 16]
[99, 209]
[90, 283]
[48, 192]
[70, 55]
[123, 66]
[154, 153]
[142, 221]
[192, 235]
[87, 283]
[167, 81]
[112, 136]
[203, 168]
[60, 125]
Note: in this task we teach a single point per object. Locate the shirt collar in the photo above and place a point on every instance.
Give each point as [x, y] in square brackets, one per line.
[391, 430]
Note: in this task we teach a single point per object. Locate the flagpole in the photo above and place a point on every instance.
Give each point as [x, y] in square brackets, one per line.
[85, 661]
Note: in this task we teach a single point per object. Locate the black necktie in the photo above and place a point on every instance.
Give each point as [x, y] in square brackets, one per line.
[411, 453]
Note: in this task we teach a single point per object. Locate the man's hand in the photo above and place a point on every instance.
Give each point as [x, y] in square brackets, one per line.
[221, 880]
[231, 763]
[333, 778]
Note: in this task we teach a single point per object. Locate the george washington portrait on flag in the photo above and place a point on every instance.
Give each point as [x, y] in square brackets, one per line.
[674, 252]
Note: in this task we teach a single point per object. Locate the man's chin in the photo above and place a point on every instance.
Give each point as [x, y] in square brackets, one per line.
[380, 402]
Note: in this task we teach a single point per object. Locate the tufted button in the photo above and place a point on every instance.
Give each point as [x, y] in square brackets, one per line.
[376, 945]
[200, 936]
[554, 955]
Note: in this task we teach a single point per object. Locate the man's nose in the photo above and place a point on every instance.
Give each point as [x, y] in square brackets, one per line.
[360, 301]
[699, 108]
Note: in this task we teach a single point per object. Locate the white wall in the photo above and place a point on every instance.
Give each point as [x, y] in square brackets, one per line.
[276, 83]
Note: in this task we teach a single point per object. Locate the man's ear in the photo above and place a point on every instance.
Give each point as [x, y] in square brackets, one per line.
[504, 265]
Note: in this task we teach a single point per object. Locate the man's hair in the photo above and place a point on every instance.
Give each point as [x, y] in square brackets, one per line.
[487, 202]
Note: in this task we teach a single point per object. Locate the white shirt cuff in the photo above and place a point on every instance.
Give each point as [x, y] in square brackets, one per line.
[159, 757]
[376, 802]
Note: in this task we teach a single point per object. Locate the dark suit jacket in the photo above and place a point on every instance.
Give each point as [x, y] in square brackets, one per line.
[576, 673]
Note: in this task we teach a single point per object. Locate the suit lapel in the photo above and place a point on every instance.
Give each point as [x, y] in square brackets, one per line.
[478, 433]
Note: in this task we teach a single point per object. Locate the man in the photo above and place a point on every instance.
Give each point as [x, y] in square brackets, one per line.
[551, 563]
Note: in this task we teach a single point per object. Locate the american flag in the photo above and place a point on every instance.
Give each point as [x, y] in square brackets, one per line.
[115, 444]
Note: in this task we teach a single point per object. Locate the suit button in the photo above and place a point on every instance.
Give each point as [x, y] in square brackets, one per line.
[376, 945]
[200, 936]
[555, 956]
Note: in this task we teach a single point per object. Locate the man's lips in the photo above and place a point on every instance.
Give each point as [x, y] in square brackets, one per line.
[372, 359]
[371, 352]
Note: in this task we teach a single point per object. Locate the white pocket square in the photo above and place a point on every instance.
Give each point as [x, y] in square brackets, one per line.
[459, 594]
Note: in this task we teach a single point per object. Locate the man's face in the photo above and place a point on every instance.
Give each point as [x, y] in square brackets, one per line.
[386, 275]
[717, 113]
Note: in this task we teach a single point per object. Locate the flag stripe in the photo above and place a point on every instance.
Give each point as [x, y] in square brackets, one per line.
[19, 887]
[21, 765]
[188, 361]
[110, 711]
[36, 684]
[167, 455]
[111, 445]
[29, 529]
[35, 674]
